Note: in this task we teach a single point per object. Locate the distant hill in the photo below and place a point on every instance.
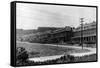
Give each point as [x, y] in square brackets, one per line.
[25, 32]
[33, 31]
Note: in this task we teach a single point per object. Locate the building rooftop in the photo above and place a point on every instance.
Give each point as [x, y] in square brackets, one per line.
[86, 26]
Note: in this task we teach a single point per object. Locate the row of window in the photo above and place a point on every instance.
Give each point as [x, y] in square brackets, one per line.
[92, 38]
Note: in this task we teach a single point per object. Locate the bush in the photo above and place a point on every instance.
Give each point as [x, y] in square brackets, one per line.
[21, 55]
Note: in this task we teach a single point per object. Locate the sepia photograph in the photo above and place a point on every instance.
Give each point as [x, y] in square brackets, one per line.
[55, 34]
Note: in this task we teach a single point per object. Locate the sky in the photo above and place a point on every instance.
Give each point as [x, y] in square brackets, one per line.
[32, 16]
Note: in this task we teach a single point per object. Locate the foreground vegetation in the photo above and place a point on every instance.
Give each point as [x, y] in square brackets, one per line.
[38, 50]
[23, 56]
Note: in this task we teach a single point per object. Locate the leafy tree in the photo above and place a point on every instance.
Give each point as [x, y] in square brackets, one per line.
[21, 55]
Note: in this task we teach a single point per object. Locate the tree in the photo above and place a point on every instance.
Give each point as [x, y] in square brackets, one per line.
[21, 55]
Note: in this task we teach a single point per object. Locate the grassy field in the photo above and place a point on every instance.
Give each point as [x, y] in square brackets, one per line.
[37, 50]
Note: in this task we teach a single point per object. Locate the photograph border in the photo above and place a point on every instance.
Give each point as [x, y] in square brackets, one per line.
[13, 30]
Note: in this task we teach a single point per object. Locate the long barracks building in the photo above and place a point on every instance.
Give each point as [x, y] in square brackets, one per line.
[88, 33]
[66, 35]
[61, 35]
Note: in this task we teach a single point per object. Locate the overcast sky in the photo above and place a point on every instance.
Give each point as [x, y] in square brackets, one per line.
[32, 16]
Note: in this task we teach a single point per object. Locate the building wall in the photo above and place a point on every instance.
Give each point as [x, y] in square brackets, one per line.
[88, 36]
[56, 36]
[61, 37]
[65, 35]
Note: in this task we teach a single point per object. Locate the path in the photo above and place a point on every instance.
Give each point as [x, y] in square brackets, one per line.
[42, 59]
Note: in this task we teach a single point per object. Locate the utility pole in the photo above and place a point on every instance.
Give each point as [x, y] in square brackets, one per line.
[81, 22]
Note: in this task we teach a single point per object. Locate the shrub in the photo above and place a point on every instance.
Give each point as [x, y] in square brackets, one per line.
[21, 55]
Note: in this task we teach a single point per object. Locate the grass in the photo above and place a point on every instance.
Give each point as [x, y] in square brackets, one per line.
[37, 50]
